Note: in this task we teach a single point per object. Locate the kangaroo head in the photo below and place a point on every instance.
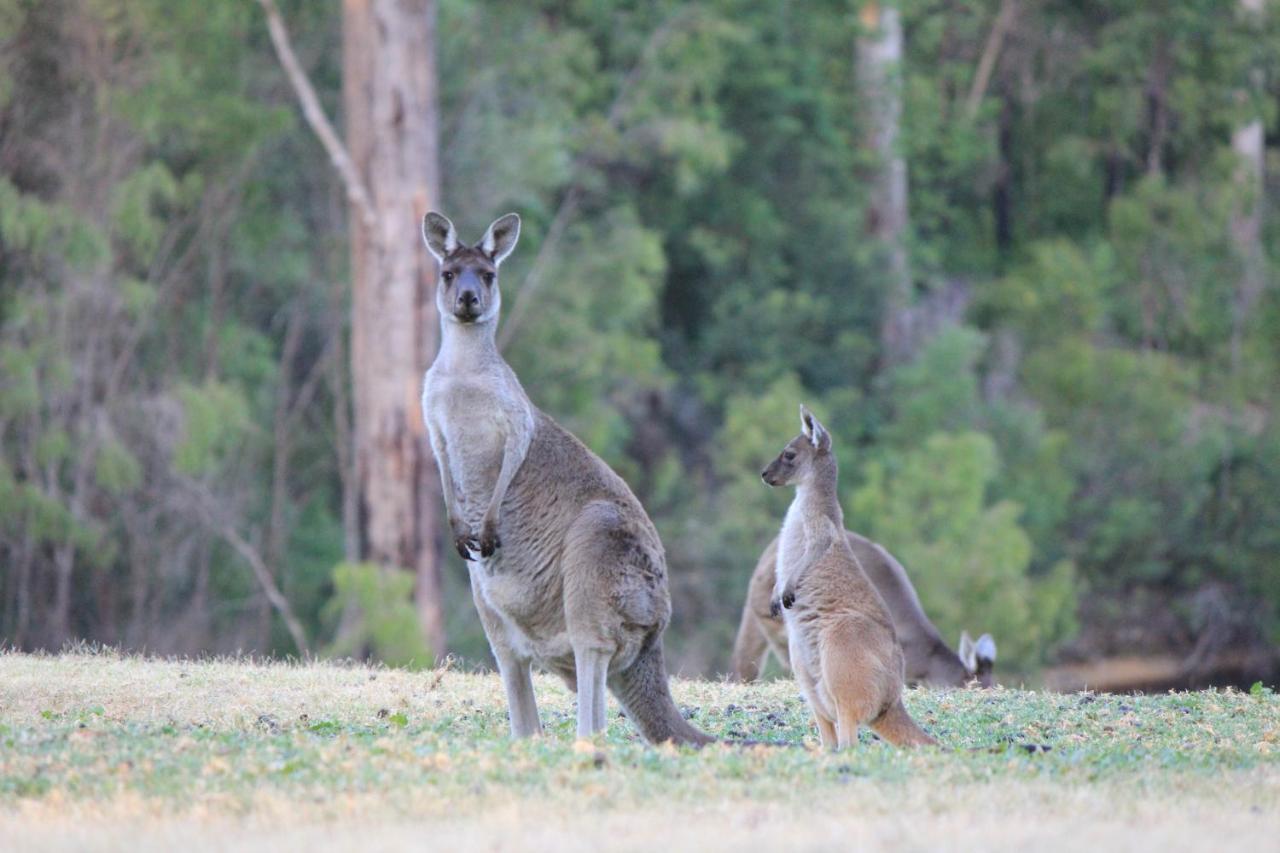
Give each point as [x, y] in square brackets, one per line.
[979, 658]
[467, 291]
[802, 455]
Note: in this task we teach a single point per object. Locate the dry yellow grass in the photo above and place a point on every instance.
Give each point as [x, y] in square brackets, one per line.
[114, 753]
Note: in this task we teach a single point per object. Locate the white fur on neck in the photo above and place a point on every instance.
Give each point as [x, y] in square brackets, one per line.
[806, 534]
[466, 345]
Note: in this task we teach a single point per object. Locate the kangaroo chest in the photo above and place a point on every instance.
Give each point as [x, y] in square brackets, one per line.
[790, 549]
[803, 540]
[473, 422]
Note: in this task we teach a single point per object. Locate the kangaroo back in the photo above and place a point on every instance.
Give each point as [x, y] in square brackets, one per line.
[644, 694]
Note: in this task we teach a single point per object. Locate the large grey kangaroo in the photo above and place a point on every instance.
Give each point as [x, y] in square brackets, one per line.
[567, 570]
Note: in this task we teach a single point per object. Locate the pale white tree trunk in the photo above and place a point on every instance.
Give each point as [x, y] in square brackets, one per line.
[392, 133]
[879, 59]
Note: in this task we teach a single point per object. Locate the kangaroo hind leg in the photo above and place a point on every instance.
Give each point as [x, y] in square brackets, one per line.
[517, 680]
[592, 667]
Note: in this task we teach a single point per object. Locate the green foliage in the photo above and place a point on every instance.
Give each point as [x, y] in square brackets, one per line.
[387, 623]
[215, 417]
[1089, 407]
[938, 390]
[1060, 290]
[116, 469]
[756, 427]
[1177, 264]
[595, 322]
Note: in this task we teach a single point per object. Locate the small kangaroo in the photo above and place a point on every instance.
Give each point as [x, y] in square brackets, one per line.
[929, 660]
[843, 647]
[567, 570]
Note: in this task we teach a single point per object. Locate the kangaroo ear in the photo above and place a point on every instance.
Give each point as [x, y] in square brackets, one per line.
[814, 430]
[985, 649]
[439, 235]
[501, 237]
[967, 653]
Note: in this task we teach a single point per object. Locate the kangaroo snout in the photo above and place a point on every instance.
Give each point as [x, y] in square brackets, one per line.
[467, 305]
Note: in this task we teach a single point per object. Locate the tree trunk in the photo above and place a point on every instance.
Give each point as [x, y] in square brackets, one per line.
[1249, 144]
[22, 622]
[392, 128]
[1002, 188]
[60, 620]
[879, 52]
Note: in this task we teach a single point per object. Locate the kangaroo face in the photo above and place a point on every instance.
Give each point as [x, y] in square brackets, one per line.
[468, 287]
[796, 461]
[792, 465]
[467, 291]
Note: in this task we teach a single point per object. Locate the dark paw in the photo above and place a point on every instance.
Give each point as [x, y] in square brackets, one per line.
[788, 599]
[775, 607]
[489, 541]
[465, 543]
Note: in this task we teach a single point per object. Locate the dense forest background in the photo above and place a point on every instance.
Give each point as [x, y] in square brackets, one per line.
[1016, 254]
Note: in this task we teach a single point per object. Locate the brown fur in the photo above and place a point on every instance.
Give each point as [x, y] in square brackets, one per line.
[929, 660]
[843, 647]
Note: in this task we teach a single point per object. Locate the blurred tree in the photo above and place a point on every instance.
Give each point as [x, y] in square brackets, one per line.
[392, 120]
[879, 57]
[391, 173]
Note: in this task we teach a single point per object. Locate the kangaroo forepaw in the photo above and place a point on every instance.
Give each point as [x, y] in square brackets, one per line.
[466, 543]
[463, 540]
[775, 607]
[488, 541]
[788, 598]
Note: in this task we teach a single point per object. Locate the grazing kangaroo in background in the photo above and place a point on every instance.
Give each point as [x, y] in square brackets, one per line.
[929, 660]
[567, 570]
[843, 648]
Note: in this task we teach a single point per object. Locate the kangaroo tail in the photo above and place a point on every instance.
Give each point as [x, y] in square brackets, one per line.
[750, 648]
[644, 694]
[896, 726]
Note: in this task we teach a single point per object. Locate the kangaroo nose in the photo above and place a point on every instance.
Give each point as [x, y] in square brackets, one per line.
[468, 299]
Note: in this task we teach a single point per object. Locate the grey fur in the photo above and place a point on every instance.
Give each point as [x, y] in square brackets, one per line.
[567, 571]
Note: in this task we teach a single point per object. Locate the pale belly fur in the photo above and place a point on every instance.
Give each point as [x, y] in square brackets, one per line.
[807, 663]
[507, 594]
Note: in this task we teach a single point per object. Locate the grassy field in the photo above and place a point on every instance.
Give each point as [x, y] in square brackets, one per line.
[108, 752]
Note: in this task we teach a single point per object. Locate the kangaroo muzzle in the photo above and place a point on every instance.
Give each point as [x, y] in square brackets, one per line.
[467, 305]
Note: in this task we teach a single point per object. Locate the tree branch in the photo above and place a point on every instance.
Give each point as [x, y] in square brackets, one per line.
[208, 507]
[990, 53]
[314, 113]
[533, 281]
[269, 588]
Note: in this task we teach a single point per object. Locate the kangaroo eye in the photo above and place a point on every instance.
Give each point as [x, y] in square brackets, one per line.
[789, 455]
[447, 275]
[488, 277]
